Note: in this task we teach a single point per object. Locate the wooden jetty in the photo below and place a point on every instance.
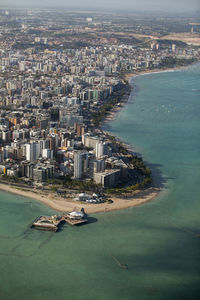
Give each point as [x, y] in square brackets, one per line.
[46, 223]
[74, 221]
[52, 222]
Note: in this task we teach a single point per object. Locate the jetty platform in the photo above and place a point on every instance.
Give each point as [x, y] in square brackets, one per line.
[52, 223]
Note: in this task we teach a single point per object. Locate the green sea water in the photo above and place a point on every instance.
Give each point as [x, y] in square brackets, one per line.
[159, 241]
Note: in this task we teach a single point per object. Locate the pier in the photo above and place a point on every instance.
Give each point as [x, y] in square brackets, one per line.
[74, 222]
[52, 223]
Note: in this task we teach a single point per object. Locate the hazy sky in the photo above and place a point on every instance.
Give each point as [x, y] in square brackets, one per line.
[153, 5]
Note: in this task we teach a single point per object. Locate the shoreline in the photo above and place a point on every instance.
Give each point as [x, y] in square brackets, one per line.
[67, 205]
[130, 75]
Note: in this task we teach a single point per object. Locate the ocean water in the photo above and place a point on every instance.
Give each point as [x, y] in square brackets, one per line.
[159, 241]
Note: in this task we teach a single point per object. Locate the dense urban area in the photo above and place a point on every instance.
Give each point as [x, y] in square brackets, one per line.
[61, 73]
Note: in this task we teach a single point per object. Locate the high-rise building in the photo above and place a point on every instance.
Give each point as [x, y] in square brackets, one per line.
[173, 48]
[53, 142]
[32, 151]
[90, 141]
[101, 149]
[80, 130]
[6, 135]
[44, 144]
[22, 66]
[99, 166]
[47, 153]
[80, 164]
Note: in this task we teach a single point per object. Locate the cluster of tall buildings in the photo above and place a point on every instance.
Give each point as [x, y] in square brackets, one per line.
[45, 123]
[50, 93]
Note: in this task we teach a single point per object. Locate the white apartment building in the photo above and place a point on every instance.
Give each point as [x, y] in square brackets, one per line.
[80, 164]
[101, 149]
[32, 151]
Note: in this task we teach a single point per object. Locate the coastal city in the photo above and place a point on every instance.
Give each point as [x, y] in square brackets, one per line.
[60, 79]
[99, 149]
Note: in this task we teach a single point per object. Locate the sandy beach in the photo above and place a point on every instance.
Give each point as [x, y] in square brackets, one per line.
[128, 76]
[66, 205]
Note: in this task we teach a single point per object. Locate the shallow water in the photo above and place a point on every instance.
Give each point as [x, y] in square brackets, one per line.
[158, 241]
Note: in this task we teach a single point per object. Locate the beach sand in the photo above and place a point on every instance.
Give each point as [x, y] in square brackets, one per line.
[130, 75]
[67, 205]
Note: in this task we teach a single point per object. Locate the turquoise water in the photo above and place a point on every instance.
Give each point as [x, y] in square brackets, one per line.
[158, 241]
